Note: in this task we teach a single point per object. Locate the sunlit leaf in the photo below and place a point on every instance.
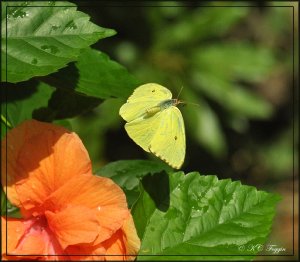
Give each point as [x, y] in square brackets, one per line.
[198, 215]
[42, 37]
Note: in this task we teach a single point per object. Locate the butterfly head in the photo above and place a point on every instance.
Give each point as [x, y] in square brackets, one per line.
[177, 102]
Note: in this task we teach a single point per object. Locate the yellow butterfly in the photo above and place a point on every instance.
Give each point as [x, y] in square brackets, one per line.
[155, 123]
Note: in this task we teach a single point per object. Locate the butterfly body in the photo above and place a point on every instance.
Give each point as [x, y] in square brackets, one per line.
[162, 106]
[155, 123]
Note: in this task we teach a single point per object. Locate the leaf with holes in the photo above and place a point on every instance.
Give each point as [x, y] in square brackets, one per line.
[41, 37]
[201, 216]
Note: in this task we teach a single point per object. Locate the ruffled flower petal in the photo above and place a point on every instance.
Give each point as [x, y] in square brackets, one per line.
[73, 225]
[125, 241]
[98, 193]
[86, 252]
[68, 213]
[40, 158]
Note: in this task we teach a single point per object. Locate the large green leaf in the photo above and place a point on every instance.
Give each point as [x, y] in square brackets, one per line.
[127, 174]
[197, 217]
[42, 37]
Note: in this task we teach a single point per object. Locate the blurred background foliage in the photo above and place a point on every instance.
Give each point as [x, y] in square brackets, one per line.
[235, 63]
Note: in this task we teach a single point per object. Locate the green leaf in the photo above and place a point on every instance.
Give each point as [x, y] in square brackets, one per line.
[64, 122]
[198, 24]
[127, 174]
[95, 75]
[65, 104]
[5, 125]
[234, 61]
[8, 208]
[103, 78]
[238, 100]
[219, 70]
[43, 37]
[20, 100]
[190, 214]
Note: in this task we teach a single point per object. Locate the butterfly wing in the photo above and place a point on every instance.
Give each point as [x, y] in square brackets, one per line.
[168, 143]
[144, 97]
[143, 129]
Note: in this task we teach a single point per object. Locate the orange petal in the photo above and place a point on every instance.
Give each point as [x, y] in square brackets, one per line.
[86, 252]
[73, 225]
[131, 239]
[15, 229]
[115, 247]
[40, 158]
[98, 193]
[27, 239]
[125, 242]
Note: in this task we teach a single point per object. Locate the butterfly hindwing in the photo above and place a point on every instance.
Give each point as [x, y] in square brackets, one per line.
[168, 143]
[142, 130]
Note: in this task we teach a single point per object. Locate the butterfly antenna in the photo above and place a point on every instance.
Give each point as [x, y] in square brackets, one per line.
[189, 103]
[179, 92]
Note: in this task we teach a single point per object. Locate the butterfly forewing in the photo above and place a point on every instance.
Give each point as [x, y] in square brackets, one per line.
[143, 98]
[150, 92]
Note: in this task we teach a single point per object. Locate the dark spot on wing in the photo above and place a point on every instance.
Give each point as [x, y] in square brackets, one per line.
[153, 90]
[175, 137]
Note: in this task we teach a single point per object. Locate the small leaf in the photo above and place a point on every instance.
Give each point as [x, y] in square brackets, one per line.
[65, 104]
[20, 100]
[127, 174]
[8, 208]
[41, 38]
[201, 216]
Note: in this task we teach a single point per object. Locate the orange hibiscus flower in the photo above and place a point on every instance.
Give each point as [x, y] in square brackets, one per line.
[67, 213]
